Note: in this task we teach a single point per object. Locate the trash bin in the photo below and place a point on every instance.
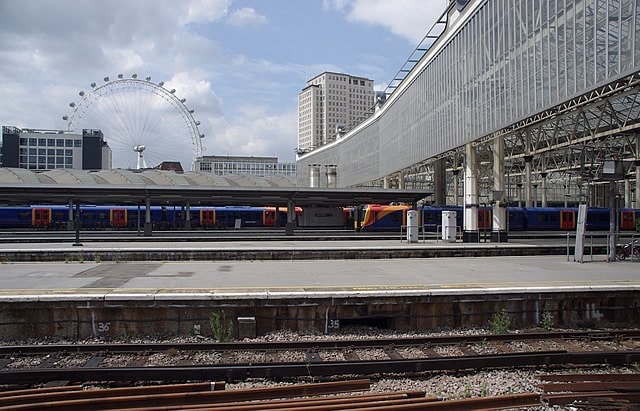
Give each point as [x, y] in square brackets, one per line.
[412, 226]
[449, 227]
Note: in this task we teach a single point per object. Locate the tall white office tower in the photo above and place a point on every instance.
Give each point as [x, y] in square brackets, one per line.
[330, 105]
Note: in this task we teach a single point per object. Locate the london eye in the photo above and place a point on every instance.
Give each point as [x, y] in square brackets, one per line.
[144, 123]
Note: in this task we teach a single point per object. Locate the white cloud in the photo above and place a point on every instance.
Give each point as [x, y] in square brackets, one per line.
[255, 132]
[393, 15]
[129, 59]
[246, 17]
[203, 11]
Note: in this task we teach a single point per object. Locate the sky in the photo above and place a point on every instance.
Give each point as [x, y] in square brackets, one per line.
[239, 64]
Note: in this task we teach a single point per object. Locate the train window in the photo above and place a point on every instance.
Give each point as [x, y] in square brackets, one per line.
[59, 215]
[396, 216]
[89, 215]
[553, 217]
[102, 215]
[24, 215]
[542, 218]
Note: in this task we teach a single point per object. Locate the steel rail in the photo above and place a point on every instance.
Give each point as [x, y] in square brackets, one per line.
[316, 344]
[198, 397]
[35, 396]
[236, 372]
[318, 403]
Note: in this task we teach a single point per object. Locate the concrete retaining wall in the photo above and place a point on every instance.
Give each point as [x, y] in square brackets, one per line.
[81, 317]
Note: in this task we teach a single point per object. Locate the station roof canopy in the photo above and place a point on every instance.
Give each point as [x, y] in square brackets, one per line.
[132, 187]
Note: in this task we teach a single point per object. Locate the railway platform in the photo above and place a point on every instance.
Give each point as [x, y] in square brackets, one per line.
[93, 297]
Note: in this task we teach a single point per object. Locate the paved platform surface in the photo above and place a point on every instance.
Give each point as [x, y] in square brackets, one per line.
[264, 279]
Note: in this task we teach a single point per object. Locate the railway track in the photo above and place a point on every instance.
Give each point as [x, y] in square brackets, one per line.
[320, 359]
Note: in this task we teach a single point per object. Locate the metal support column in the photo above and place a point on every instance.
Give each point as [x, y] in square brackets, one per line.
[499, 224]
[544, 188]
[70, 223]
[456, 184]
[627, 193]
[291, 218]
[187, 216]
[76, 224]
[439, 182]
[148, 228]
[527, 181]
[470, 234]
[637, 205]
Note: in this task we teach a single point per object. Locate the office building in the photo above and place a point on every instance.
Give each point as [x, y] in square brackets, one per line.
[330, 105]
[247, 165]
[36, 149]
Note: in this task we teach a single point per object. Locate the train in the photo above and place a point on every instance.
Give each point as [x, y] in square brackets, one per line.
[376, 217]
[46, 217]
[369, 217]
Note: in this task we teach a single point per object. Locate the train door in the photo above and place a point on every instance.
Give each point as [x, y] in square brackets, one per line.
[627, 220]
[118, 217]
[567, 219]
[484, 219]
[269, 217]
[41, 217]
[207, 218]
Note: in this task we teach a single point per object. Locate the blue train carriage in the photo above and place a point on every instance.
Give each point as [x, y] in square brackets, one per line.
[516, 219]
[376, 217]
[18, 217]
[431, 216]
[550, 218]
